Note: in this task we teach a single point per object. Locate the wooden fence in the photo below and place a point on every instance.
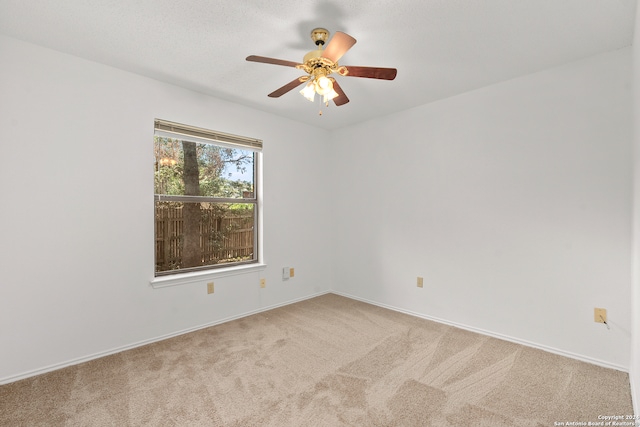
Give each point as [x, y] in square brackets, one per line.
[225, 236]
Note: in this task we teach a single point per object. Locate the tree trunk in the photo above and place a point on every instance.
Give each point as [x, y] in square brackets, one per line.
[191, 252]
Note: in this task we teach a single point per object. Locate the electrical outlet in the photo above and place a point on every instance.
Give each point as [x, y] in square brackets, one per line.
[263, 283]
[286, 273]
[600, 315]
[420, 282]
[210, 287]
[291, 272]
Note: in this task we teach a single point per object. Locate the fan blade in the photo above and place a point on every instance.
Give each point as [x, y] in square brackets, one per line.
[265, 60]
[286, 88]
[341, 99]
[339, 44]
[372, 72]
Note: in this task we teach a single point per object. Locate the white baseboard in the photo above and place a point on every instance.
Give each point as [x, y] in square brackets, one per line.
[559, 352]
[13, 378]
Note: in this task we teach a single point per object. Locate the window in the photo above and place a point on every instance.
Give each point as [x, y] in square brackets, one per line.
[206, 205]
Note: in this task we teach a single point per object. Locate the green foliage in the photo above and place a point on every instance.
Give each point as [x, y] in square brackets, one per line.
[215, 169]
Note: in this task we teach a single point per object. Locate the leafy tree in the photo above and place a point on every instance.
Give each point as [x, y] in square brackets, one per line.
[212, 162]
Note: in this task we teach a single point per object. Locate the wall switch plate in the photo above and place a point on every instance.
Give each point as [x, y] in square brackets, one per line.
[286, 273]
[291, 272]
[210, 287]
[263, 283]
[600, 315]
[420, 282]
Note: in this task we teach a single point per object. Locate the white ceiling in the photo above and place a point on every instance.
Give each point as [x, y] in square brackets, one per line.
[440, 47]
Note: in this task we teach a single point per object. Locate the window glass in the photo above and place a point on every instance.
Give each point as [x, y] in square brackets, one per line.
[210, 170]
[205, 205]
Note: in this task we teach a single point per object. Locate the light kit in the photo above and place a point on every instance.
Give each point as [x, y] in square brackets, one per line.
[320, 63]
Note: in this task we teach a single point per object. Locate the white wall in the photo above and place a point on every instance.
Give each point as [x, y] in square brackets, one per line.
[76, 219]
[513, 202]
[634, 373]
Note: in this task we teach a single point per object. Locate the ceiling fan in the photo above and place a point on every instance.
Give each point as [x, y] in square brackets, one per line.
[319, 64]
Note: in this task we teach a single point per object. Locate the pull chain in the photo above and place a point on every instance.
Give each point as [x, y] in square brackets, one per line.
[326, 104]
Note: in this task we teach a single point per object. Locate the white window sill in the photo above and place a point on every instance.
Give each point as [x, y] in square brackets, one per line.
[200, 276]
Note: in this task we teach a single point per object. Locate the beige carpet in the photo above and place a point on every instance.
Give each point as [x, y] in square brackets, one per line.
[328, 361]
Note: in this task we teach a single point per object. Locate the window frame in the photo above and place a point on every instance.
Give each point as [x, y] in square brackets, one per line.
[189, 133]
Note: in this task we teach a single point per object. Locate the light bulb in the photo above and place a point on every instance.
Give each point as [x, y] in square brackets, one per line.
[323, 85]
[309, 91]
[324, 82]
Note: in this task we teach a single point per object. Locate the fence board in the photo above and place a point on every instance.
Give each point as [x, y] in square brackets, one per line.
[225, 236]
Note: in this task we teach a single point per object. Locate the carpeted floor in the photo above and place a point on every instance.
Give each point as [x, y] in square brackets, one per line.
[327, 361]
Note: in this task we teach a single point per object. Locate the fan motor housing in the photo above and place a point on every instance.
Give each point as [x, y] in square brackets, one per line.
[313, 62]
[314, 54]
